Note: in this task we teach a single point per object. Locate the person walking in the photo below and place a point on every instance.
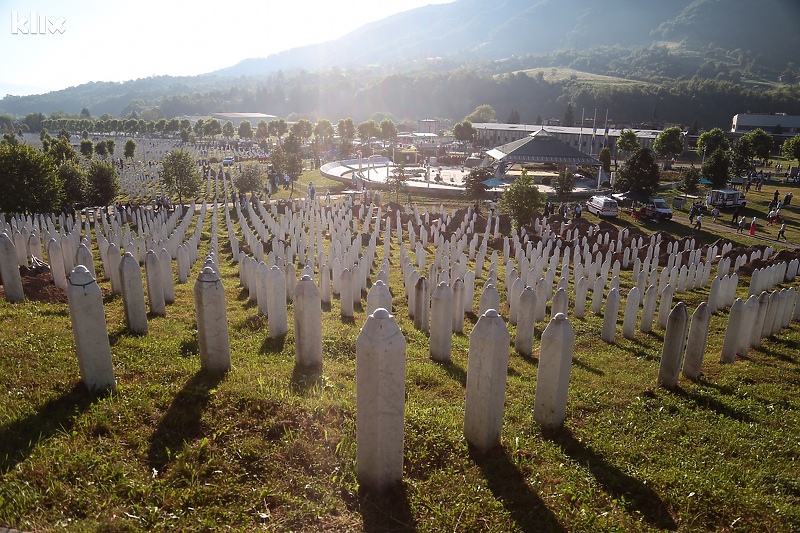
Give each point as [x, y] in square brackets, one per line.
[782, 232]
[753, 226]
[698, 221]
[715, 213]
[735, 217]
[742, 225]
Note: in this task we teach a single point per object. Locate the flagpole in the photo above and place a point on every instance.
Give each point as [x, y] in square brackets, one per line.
[580, 135]
[594, 132]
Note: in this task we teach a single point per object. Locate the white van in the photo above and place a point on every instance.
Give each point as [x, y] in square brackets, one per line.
[602, 206]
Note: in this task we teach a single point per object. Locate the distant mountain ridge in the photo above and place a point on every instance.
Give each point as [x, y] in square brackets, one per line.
[468, 34]
[479, 29]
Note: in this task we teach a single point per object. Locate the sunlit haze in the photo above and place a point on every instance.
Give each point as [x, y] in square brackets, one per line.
[110, 40]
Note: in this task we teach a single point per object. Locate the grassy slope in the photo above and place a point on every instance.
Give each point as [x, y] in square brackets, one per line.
[265, 447]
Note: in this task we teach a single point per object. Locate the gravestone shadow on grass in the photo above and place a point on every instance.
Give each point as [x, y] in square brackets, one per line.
[637, 496]
[275, 345]
[509, 486]
[305, 377]
[705, 401]
[455, 371]
[389, 510]
[181, 422]
[19, 438]
[578, 362]
[190, 347]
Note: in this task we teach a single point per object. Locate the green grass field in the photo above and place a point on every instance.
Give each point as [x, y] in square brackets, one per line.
[264, 447]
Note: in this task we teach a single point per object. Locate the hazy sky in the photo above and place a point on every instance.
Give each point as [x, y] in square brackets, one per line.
[113, 40]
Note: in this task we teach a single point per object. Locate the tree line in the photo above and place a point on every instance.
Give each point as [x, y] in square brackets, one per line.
[662, 87]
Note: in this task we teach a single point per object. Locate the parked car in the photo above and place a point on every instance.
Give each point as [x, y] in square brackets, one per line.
[657, 209]
[227, 162]
[602, 206]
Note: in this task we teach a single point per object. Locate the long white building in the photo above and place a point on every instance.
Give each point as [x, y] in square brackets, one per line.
[491, 134]
[780, 125]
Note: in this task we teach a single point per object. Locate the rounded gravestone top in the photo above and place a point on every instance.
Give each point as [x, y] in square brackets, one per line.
[560, 317]
[128, 254]
[444, 284]
[306, 277]
[381, 313]
[207, 275]
[81, 276]
[380, 283]
[491, 313]
[489, 285]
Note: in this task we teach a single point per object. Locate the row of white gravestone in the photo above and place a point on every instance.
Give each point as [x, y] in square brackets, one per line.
[380, 389]
[685, 277]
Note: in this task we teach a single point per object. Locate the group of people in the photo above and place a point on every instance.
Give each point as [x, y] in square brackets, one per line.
[563, 209]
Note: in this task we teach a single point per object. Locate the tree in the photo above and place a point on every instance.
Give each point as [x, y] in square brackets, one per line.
[346, 129]
[101, 149]
[245, 130]
[180, 174]
[103, 184]
[87, 148]
[690, 180]
[261, 130]
[85, 112]
[185, 135]
[367, 130]
[28, 180]
[741, 156]
[251, 178]
[73, 182]
[482, 113]
[130, 149]
[521, 200]
[212, 127]
[564, 183]
[760, 143]
[709, 141]
[303, 129]
[627, 142]
[61, 150]
[227, 129]
[791, 148]
[513, 117]
[716, 168]
[388, 130]
[465, 132]
[669, 142]
[639, 173]
[323, 132]
[9, 139]
[605, 158]
[294, 166]
[174, 125]
[278, 128]
[293, 144]
[397, 181]
[345, 147]
[199, 128]
[111, 145]
[474, 189]
[569, 116]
